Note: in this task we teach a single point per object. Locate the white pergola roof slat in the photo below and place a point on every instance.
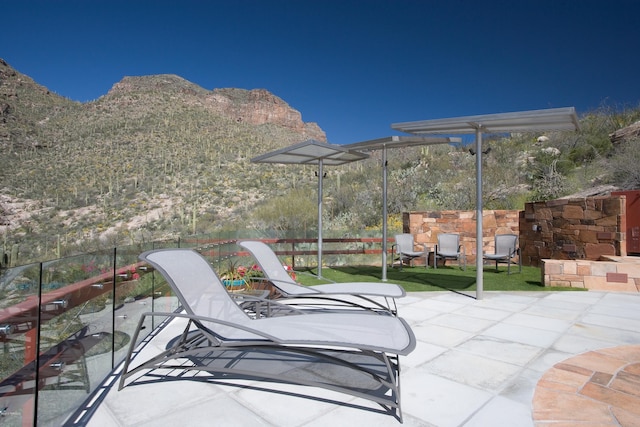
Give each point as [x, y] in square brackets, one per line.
[400, 141]
[311, 152]
[521, 121]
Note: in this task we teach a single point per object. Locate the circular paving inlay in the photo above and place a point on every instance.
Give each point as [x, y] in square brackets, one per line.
[601, 387]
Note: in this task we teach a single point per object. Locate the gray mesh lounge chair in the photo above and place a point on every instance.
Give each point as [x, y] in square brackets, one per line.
[448, 247]
[332, 292]
[506, 250]
[347, 352]
[405, 250]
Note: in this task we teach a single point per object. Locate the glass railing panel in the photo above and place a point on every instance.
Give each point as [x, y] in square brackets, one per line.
[133, 296]
[19, 288]
[139, 290]
[76, 332]
[90, 306]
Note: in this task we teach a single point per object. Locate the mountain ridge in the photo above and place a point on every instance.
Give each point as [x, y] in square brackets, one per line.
[148, 157]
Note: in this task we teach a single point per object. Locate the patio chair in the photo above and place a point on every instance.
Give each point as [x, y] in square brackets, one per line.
[353, 353]
[506, 250]
[350, 293]
[405, 250]
[449, 247]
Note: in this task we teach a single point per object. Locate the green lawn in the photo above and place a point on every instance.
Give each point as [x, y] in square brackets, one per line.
[415, 279]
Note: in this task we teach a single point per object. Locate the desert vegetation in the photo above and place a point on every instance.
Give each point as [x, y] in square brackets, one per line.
[154, 159]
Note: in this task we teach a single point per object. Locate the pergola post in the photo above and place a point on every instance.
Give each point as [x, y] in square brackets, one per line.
[384, 214]
[479, 215]
[320, 176]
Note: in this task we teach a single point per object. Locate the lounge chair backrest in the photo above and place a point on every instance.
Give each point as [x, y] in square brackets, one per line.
[505, 244]
[448, 243]
[273, 269]
[268, 260]
[404, 243]
[196, 285]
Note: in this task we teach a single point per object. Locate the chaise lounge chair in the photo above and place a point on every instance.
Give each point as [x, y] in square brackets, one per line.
[334, 292]
[347, 352]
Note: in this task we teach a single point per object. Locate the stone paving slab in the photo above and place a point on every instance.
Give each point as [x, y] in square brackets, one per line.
[515, 358]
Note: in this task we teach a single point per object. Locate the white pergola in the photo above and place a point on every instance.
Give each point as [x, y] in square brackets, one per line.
[312, 152]
[554, 119]
[383, 144]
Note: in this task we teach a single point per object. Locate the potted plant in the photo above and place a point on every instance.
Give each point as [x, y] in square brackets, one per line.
[233, 277]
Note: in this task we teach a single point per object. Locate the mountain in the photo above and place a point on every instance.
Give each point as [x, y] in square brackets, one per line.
[158, 156]
[149, 157]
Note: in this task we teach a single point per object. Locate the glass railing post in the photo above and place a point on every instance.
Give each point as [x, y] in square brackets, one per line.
[36, 347]
[114, 254]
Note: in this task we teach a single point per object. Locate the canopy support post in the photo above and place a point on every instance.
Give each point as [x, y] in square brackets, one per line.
[384, 214]
[479, 216]
[320, 176]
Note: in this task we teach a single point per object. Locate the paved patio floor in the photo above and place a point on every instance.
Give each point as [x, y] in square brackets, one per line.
[510, 359]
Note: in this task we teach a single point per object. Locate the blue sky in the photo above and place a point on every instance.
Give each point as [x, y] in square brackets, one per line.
[354, 67]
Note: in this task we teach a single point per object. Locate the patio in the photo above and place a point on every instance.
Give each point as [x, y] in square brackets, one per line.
[477, 363]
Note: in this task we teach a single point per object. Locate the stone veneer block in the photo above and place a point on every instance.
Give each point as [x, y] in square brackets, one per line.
[595, 251]
[617, 277]
[557, 202]
[573, 212]
[570, 268]
[633, 270]
[583, 269]
[552, 268]
[601, 268]
[601, 284]
[591, 214]
[588, 236]
[608, 220]
[605, 235]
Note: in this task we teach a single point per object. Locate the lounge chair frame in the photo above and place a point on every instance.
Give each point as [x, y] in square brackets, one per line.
[223, 347]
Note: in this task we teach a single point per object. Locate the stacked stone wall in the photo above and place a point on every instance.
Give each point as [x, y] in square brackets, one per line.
[566, 229]
[425, 227]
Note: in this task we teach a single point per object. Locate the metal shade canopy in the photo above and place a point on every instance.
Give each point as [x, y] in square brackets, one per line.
[308, 153]
[554, 119]
[383, 144]
[311, 152]
[522, 121]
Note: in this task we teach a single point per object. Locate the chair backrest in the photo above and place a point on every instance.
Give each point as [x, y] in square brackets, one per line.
[197, 287]
[404, 243]
[273, 268]
[448, 243]
[505, 244]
